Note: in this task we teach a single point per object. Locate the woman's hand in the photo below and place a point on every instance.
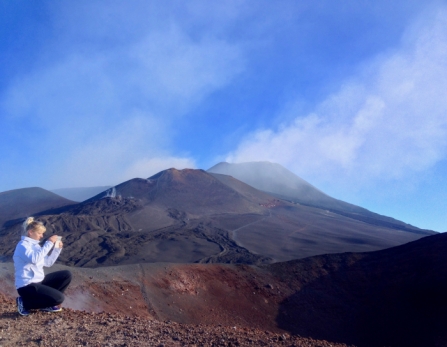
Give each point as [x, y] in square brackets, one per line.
[53, 238]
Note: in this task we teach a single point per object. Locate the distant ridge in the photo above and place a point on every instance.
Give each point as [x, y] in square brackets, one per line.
[25, 202]
[277, 180]
[79, 194]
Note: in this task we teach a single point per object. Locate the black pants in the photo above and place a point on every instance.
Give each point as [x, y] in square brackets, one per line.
[49, 292]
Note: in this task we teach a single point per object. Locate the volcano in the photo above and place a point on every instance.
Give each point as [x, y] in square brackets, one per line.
[278, 181]
[192, 216]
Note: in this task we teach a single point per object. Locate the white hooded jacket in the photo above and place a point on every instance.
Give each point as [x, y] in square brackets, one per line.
[30, 258]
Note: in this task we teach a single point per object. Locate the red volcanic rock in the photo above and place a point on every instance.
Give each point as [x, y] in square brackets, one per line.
[71, 328]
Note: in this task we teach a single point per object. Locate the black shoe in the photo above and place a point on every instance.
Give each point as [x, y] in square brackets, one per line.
[21, 308]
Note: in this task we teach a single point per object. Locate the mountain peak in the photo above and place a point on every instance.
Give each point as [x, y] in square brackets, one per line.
[278, 181]
[267, 176]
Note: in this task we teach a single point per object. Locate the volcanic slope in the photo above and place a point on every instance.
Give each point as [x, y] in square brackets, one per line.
[192, 216]
[278, 181]
[394, 297]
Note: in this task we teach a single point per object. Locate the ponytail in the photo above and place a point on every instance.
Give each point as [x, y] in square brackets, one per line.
[31, 224]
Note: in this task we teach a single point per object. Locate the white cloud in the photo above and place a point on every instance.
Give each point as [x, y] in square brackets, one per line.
[170, 68]
[389, 120]
[104, 158]
[111, 111]
[163, 69]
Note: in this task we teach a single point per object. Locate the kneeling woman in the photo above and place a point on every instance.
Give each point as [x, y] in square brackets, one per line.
[36, 290]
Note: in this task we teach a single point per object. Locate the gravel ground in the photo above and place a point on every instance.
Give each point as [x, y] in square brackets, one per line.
[78, 328]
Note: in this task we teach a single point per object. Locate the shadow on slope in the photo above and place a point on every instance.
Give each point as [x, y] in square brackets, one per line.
[394, 297]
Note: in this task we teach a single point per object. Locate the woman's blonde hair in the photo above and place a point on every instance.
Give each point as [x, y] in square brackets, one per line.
[31, 224]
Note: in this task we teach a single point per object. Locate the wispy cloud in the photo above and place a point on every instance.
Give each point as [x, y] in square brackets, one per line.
[387, 120]
[110, 110]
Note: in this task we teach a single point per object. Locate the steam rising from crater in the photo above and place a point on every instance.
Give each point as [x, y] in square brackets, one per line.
[111, 193]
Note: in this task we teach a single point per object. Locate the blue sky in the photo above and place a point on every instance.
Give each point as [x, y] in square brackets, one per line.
[349, 95]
